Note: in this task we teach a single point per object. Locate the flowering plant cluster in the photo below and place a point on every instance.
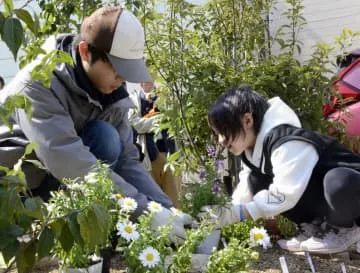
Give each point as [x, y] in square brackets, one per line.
[208, 188]
[82, 214]
[148, 250]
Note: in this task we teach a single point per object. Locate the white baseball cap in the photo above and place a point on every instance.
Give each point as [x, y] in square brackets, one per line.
[118, 33]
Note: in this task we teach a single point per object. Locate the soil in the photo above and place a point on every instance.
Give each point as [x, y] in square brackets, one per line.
[267, 263]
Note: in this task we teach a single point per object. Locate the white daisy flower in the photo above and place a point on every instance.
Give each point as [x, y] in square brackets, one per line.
[128, 204]
[91, 178]
[176, 212]
[259, 236]
[188, 196]
[128, 231]
[24, 239]
[154, 207]
[149, 257]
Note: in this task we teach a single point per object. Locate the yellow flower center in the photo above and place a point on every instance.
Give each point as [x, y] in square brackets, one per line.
[118, 196]
[128, 203]
[149, 257]
[128, 229]
[258, 236]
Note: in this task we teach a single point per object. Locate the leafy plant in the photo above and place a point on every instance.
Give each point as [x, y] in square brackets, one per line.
[236, 257]
[207, 189]
[81, 217]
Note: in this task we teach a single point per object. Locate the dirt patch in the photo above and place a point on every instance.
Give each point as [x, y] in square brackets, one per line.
[267, 263]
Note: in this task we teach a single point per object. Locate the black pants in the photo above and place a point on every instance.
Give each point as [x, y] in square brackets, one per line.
[336, 199]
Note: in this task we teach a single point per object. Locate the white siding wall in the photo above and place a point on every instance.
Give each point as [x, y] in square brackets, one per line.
[8, 67]
[325, 20]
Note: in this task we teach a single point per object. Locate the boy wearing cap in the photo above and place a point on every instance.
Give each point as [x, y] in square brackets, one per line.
[82, 117]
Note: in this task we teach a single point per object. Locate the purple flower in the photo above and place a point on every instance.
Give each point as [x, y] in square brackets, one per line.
[219, 165]
[203, 174]
[216, 188]
[211, 151]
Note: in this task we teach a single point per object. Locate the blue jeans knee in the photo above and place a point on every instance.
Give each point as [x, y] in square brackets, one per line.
[103, 141]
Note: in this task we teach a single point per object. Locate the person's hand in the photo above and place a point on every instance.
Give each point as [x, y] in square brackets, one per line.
[224, 215]
[176, 219]
[151, 113]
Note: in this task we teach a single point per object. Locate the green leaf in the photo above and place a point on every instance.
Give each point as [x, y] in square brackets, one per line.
[12, 181]
[12, 34]
[24, 221]
[25, 16]
[34, 207]
[4, 169]
[30, 148]
[57, 226]
[9, 200]
[75, 229]
[94, 225]
[2, 20]
[8, 235]
[9, 6]
[46, 242]
[25, 259]
[10, 251]
[66, 239]
[104, 220]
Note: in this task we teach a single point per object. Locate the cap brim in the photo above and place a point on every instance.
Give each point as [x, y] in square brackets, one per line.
[132, 70]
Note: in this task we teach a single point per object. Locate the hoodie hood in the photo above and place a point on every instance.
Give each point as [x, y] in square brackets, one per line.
[278, 113]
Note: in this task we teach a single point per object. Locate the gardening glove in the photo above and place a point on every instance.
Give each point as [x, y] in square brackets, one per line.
[176, 220]
[223, 215]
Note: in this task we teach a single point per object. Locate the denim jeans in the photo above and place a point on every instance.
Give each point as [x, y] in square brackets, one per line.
[103, 141]
[105, 144]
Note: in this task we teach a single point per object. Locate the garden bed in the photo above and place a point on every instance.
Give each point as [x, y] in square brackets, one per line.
[267, 263]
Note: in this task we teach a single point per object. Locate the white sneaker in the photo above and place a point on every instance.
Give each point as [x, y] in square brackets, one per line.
[307, 230]
[333, 241]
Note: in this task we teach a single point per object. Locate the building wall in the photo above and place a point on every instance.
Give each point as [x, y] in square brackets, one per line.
[325, 20]
[8, 66]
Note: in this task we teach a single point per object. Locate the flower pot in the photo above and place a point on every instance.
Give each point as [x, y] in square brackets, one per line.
[95, 268]
[210, 242]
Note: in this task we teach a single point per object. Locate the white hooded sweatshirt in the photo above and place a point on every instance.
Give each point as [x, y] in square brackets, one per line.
[293, 163]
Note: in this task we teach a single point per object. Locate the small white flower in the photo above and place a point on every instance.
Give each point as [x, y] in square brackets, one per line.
[128, 204]
[154, 207]
[95, 258]
[24, 239]
[91, 178]
[188, 196]
[75, 187]
[128, 231]
[149, 257]
[259, 236]
[50, 207]
[176, 212]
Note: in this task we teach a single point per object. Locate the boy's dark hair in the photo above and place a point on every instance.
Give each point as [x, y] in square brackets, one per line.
[96, 54]
[225, 114]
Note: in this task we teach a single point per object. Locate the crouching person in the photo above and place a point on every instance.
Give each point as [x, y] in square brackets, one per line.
[82, 116]
[310, 178]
